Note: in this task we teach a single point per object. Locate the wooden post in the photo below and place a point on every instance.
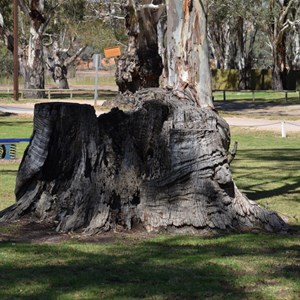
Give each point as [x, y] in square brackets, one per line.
[224, 95]
[283, 130]
[286, 96]
[253, 96]
[15, 53]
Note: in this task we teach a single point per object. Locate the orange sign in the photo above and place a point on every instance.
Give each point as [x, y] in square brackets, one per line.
[112, 52]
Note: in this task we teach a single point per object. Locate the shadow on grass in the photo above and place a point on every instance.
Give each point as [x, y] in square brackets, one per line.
[280, 166]
[173, 268]
[8, 172]
[240, 105]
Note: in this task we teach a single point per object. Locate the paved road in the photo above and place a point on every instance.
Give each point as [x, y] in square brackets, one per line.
[16, 109]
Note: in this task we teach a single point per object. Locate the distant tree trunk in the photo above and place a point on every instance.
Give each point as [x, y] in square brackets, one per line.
[58, 63]
[162, 166]
[277, 83]
[32, 58]
[246, 53]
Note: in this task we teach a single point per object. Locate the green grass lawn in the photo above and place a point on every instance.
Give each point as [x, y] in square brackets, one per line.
[267, 169]
[260, 96]
[244, 266]
[120, 266]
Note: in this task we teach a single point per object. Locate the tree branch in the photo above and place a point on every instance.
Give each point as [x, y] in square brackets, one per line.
[286, 11]
[71, 59]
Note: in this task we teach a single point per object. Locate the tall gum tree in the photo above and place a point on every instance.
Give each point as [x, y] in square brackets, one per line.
[38, 26]
[32, 57]
[162, 166]
[280, 21]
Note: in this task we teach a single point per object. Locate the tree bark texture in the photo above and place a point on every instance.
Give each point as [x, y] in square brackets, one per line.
[141, 66]
[58, 63]
[187, 51]
[162, 166]
[32, 59]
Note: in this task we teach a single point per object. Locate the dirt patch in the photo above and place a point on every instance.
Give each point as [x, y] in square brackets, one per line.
[30, 231]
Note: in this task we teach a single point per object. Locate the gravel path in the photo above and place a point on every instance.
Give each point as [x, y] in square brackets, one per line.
[241, 115]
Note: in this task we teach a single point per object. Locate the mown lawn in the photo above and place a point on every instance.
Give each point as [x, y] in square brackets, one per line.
[134, 266]
[244, 266]
[267, 169]
[259, 96]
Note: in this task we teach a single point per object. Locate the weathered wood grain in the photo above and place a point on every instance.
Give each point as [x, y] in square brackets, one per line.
[161, 166]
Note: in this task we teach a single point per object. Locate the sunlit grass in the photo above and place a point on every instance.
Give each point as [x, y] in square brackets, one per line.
[267, 169]
[259, 96]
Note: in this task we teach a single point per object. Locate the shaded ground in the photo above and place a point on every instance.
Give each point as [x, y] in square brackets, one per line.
[30, 231]
[254, 109]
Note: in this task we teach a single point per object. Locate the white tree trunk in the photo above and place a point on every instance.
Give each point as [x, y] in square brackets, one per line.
[187, 51]
[33, 54]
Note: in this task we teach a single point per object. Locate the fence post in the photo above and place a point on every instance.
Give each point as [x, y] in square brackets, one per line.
[286, 96]
[224, 95]
[49, 94]
[253, 95]
[283, 130]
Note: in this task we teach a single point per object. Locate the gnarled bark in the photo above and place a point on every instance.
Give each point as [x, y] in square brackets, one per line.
[141, 66]
[162, 166]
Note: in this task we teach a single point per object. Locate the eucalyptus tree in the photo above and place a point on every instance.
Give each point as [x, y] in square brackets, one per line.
[6, 23]
[293, 41]
[232, 32]
[48, 37]
[280, 17]
[161, 165]
[62, 41]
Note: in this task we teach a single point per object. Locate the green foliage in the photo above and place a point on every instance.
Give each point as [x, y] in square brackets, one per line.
[97, 34]
[6, 61]
[74, 10]
[6, 11]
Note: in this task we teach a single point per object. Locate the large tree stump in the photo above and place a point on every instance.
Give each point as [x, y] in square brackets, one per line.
[162, 166]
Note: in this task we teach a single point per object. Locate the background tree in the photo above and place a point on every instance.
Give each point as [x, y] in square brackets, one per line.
[293, 41]
[32, 57]
[278, 21]
[62, 41]
[232, 33]
[6, 23]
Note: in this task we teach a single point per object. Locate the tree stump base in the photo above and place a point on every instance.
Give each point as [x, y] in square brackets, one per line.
[162, 166]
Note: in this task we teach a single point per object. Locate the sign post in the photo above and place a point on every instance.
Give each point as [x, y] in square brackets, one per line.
[15, 52]
[97, 59]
